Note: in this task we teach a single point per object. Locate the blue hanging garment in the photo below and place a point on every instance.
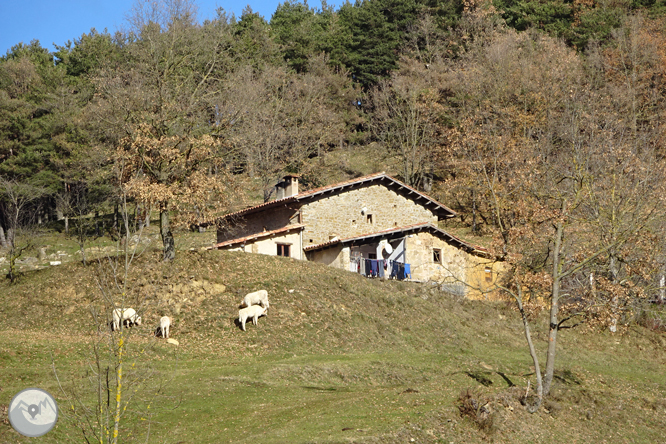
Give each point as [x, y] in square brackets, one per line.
[408, 271]
[375, 267]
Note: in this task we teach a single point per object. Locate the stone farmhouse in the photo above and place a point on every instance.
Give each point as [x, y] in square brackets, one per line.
[362, 225]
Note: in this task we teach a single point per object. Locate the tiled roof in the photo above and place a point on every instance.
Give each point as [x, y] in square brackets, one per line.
[401, 230]
[340, 186]
[256, 236]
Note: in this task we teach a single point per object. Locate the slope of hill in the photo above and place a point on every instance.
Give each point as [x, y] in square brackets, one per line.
[339, 358]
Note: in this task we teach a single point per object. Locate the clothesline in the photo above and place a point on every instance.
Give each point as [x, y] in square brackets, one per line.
[380, 268]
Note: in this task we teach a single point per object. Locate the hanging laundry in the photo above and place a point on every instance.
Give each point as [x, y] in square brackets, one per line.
[374, 264]
[401, 271]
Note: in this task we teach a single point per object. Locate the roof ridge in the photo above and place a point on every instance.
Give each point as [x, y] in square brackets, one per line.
[257, 235]
[398, 229]
[313, 191]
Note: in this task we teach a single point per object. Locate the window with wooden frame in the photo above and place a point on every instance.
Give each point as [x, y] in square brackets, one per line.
[489, 274]
[437, 255]
[284, 250]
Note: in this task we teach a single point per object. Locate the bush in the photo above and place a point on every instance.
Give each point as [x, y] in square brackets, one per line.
[477, 408]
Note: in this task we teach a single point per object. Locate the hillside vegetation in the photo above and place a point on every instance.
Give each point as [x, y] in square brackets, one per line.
[339, 358]
[539, 122]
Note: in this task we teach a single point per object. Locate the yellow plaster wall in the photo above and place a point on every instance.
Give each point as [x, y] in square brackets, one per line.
[331, 256]
[269, 245]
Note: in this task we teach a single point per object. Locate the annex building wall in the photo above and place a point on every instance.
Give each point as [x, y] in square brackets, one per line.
[269, 220]
[457, 271]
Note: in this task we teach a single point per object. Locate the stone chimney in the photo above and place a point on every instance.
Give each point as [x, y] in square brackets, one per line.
[287, 187]
[291, 188]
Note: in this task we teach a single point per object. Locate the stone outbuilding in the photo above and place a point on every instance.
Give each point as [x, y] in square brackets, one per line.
[373, 224]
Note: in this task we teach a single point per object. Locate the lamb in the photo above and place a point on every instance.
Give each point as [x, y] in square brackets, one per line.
[253, 311]
[259, 297]
[165, 323]
[120, 315]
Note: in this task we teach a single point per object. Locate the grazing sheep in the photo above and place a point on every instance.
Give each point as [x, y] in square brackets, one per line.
[253, 311]
[120, 315]
[165, 323]
[259, 297]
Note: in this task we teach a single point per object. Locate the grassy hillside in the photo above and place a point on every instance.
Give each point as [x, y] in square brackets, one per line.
[340, 358]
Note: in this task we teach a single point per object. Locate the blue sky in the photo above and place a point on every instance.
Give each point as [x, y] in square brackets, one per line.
[57, 21]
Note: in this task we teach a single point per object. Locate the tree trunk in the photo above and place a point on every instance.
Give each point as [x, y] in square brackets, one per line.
[662, 290]
[614, 301]
[167, 237]
[147, 215]
[535, 359]
[474, 227]
[67, 224]
[554, 306]
[3, 239]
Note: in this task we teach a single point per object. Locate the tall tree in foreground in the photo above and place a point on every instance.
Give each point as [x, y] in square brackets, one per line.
[179, 175]
[568, 186]
[158, 115]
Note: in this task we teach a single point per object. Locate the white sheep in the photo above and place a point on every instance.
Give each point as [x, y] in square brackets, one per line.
[253, 311]
[120, 315]
[165, 323]
[259, 297]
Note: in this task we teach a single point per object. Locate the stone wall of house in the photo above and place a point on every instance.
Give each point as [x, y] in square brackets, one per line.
[459, 272]
[268, 220]
[341, 214]
[420, 254]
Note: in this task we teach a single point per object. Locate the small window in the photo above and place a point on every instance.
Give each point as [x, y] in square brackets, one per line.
[489, 274]
[437, 255]
[369, 218]
[283, 250]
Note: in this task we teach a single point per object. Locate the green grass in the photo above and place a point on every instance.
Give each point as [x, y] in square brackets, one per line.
[339, 359]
